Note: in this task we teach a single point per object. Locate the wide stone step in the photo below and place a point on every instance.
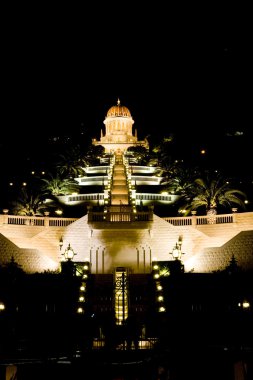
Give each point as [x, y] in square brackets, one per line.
[119, 173]
[121, 182]
[120, 178]
[119, 192]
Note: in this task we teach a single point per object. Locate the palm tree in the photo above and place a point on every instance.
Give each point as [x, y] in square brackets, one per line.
[72, 163]
[57, 186]
[210, 193]
[29, 204]
[163, 152]
[180, 179]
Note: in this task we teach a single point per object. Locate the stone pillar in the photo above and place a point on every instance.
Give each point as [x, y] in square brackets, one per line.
[46, 224]
[234, 211]
[5, 217]
[194, 219]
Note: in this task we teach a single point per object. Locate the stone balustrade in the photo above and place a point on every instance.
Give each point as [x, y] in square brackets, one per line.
[114, 216]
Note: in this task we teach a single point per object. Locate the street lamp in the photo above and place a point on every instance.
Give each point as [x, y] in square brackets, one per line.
[69, 253]
[177, 252]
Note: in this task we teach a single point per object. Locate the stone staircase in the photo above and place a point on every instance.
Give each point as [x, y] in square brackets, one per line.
[119, 190]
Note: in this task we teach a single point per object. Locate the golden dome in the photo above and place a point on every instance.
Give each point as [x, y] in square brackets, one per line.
[118, 110]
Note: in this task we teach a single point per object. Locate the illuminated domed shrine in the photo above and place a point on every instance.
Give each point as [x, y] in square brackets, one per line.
[119, 130]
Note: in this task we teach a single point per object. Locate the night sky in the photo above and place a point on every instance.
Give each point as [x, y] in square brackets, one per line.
[184, 70]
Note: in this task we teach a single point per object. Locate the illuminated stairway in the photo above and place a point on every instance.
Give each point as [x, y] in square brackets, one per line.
[119, 189]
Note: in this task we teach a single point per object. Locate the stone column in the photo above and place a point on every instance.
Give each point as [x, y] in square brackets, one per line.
[194, 219]
[234, 211]
[5, 217]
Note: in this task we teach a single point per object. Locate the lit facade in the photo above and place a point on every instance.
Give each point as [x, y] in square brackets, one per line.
[118, 134]
[120, 234]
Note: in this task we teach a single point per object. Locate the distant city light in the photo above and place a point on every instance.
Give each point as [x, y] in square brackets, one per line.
[244, 304]
[2, 306]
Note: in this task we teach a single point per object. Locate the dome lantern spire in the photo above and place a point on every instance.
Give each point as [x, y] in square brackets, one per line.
[118, 102]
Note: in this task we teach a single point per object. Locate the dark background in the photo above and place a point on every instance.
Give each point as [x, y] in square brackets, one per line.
[182, 69]
[175, 68]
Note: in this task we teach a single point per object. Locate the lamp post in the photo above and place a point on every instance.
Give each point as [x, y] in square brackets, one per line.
[69, 253]
[177, 253]
[68, 267]
[60, 243]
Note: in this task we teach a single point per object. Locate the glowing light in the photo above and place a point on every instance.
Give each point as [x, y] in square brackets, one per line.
[69, 253]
